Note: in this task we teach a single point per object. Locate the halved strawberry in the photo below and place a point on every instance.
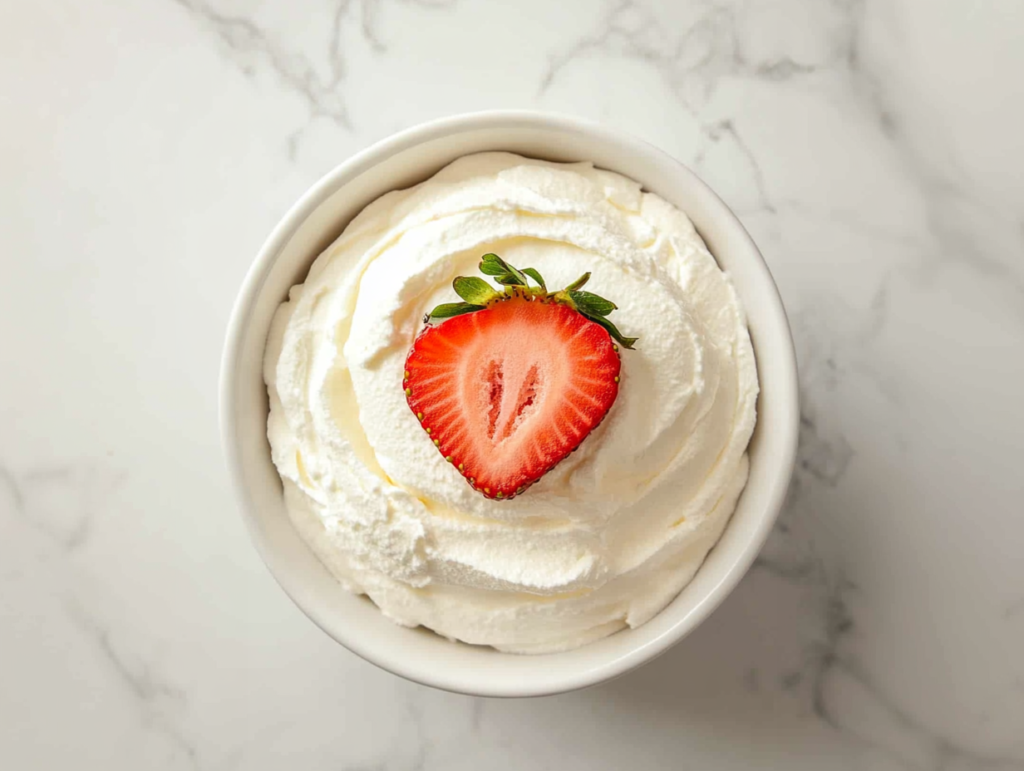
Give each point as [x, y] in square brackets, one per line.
[512, 382]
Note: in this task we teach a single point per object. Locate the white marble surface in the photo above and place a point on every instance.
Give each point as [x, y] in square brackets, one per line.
[874, 149]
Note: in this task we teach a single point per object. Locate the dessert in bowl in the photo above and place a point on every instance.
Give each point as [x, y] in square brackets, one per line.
[507, 384]
[596, 559]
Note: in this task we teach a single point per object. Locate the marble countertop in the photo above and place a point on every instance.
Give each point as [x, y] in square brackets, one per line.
[872, 148]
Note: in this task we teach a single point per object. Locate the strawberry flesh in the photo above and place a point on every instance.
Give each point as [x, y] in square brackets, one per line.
[507, 392]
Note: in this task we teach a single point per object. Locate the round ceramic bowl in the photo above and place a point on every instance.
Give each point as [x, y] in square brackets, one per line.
[316, 220]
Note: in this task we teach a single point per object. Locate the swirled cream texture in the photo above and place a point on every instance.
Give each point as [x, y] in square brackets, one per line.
[614, 532]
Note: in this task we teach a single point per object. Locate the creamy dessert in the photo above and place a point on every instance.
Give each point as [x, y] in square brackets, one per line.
[549, 548]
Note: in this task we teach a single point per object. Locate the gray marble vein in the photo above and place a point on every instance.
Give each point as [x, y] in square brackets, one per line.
[248, 42]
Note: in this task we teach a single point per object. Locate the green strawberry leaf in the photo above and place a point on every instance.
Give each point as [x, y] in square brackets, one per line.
[511, 279]
[447, 310]
[505, 274]
[536, 276]
[492, 265]
[474, 290]
[590, 304]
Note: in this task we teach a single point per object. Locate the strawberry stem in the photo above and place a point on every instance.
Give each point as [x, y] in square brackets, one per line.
[578, 282]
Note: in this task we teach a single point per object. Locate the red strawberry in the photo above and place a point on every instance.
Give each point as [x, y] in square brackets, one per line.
[513, 381]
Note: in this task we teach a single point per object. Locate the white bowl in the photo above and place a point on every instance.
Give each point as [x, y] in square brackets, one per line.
[316, 220]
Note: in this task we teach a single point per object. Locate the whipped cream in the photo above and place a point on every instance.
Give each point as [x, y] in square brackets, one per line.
[615, 531]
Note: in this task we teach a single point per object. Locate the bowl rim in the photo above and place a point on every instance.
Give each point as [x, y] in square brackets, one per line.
[378, 152]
